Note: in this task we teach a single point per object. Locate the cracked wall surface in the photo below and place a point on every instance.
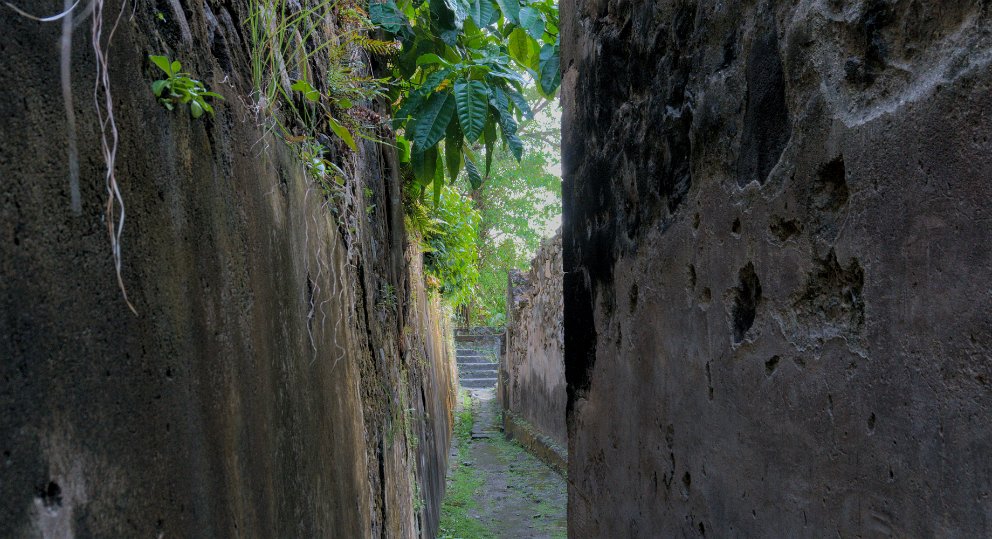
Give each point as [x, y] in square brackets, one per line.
[777, 259]
[286, 374]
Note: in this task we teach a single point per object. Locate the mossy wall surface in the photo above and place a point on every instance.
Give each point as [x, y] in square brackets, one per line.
[286, 374]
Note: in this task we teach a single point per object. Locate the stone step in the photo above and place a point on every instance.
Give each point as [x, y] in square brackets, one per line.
[475, 361]
[477, 367]
[474, 353]
[478, 384]
[475, 375]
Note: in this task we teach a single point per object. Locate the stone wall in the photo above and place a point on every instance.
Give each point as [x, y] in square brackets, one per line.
[777, 259]
[285, 375]
[532, 369]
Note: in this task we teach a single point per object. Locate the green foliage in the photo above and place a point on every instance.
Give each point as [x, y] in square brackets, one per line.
[448, 239]
[461, 75]
[180, 88]
[327, 95]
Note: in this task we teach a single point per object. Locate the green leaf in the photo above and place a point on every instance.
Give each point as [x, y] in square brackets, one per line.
[158, 87]
[176, 67]
[431, 58]
[483, 12]
[489, 137]
[510, 9]
[550, 69]
[506, 123]
[438, 180]
[163, 63]
[195, 109]
[532, 21]
[521, 102]
[307, 90]
[474, 177]
[433, 121]
[342, 132]
[521, 46]
[389, 17]
[424, 164]
[473, 110]
[459, 8]
[453, 151]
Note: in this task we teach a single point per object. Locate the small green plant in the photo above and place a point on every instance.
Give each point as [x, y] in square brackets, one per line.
[160, 16]
[180, 88]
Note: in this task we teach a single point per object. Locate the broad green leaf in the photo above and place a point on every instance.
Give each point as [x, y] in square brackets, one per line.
[474, 177]
[453, 151]
[472, 98]
[389, 17]
[403, 149]
[550, 69]
[521, 46]
[438, 180]
[460, 10]
[506, 123]
[431, 58]
[163, 63]
[433, 120]
[532, 21]
[424, 165]
[342, 132]
[521, 102]
[195, 109]
[176, 67]
[159, 86]
[307, 90]
[483, 12]
[510, 9]
[489, 137]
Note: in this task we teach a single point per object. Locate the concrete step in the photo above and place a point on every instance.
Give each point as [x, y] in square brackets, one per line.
[475, 361]
[477, 375]
[477, 367]
[478, 384]
[474, 353]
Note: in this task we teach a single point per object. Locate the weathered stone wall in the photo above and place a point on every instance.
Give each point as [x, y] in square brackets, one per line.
[285, 376]
[532, 370]
[777, 259]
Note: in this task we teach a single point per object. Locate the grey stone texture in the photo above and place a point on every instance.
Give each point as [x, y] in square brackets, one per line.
[532, 381]
[286, 374]
[778, 315]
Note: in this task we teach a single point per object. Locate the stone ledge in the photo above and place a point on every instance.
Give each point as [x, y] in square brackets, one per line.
[539, 445]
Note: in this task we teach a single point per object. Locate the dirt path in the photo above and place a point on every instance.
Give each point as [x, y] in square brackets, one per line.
[495, 488]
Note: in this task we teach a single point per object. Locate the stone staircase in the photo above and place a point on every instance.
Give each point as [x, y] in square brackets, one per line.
[477, 357]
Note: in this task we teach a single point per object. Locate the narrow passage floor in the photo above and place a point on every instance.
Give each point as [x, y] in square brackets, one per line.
[495, 488]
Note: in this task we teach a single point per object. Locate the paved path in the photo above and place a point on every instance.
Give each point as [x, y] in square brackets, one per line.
[496, 489]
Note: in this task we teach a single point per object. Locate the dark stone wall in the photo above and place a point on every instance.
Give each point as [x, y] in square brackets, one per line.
[285, 375]
[532, 369]
[776, 254]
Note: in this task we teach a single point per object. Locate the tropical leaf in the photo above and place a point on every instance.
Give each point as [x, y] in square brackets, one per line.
[424, 166]
[521, 102]
[389, 17]
[532, 21]
[550, 69]
[510, 9]
[473, 110]
[474, 177]
[432, 122]
[521, 46]
[489, 137]
[483, 12]
[453, 150]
